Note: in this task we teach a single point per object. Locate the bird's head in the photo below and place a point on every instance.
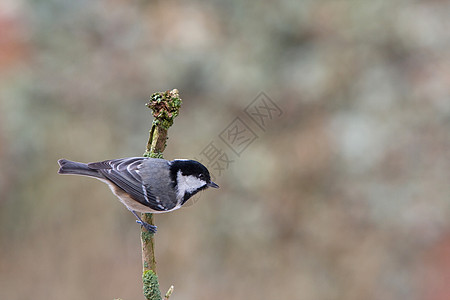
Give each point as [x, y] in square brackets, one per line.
[189, 177]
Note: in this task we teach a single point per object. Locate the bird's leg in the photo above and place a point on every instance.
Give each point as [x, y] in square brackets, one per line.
[150, 228]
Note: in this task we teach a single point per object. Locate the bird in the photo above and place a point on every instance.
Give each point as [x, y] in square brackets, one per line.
[144, 184]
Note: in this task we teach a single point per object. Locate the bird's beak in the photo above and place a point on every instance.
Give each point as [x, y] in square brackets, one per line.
[213, 185]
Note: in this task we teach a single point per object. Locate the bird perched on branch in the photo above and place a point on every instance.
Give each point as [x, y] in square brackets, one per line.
[143, 184]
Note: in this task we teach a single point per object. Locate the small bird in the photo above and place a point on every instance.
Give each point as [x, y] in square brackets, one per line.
[143, 184]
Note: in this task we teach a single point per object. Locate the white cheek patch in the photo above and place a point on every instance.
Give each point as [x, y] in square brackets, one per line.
[188, 184]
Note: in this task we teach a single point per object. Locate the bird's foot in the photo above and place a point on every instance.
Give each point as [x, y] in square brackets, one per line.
[149, 227]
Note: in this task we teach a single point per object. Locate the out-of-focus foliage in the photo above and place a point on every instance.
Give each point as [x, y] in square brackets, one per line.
[345, 196]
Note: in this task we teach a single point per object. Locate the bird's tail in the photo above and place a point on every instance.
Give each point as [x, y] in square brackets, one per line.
[76, 168]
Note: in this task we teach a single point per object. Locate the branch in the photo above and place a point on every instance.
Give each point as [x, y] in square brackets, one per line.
[165, 107]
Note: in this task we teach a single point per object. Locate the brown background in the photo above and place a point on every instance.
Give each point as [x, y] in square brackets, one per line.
[344, 196]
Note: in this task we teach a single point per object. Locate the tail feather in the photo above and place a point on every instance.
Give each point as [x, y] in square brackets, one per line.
[76, 168]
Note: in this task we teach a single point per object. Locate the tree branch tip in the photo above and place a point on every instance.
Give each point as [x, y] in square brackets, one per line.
[169, 292]
[165, 107]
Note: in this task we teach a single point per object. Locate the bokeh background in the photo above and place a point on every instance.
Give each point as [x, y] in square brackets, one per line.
[344, 196]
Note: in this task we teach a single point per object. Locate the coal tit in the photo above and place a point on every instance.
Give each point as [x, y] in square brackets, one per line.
[144, 184]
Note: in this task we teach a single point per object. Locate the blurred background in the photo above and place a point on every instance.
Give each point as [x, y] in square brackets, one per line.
[342, 195]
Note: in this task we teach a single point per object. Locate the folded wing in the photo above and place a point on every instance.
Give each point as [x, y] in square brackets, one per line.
[125, 173]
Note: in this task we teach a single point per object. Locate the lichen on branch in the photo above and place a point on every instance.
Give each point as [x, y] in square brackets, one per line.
[165, 107]
[151, 286]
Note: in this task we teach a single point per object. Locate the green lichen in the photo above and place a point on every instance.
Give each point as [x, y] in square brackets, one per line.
[156, 155]
[151, 285]
[165, 107]
[146, 236]
[153, 155]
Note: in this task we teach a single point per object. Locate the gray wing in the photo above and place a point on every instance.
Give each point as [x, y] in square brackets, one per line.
[165, 189]
[127, 174]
